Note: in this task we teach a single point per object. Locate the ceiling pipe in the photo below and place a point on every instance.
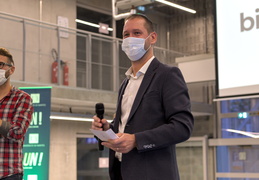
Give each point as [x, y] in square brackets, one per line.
[122, 15]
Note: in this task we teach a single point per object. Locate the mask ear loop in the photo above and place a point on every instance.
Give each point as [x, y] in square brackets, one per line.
[148, 48]
[9, 74]
[150, 44]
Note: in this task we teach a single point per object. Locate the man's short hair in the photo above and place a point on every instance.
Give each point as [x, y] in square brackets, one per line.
[148, 25]
[6, 53]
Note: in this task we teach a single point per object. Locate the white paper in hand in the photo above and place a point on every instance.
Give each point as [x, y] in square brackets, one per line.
[104, 135]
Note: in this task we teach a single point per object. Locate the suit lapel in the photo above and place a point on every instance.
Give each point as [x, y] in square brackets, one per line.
[144, 85]
[118, 113]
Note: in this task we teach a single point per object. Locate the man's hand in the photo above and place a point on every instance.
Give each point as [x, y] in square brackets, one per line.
[124, 144]
[99, 124]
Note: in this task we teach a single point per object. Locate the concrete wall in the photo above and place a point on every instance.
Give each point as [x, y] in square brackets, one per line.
[39, 42]
[63, 154]
[42, 10]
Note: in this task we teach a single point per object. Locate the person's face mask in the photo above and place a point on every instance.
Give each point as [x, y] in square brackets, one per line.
[134, 47]
[3, 79]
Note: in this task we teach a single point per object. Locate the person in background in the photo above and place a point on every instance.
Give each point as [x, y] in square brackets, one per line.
[153, 111]
[15, 116]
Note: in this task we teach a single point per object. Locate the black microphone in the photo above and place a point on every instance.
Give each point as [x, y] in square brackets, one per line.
[99, 109]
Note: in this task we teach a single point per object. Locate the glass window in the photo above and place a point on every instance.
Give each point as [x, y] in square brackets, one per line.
[95, 70]
[239, 105]
[240, 118]
[240, 127]
[238, 159]
[94, 17]
[124, 64]
[92, 164]
[102, 66]
[82, 61]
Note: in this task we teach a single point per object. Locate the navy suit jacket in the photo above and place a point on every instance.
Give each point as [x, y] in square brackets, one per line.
[160, 118]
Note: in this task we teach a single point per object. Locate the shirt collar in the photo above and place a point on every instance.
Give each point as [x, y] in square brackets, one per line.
[143, 69]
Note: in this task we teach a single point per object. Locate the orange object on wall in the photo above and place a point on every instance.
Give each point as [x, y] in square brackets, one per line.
[65, 74]
[54, 72]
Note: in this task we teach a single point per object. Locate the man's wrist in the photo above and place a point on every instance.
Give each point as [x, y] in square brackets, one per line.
[134, 139]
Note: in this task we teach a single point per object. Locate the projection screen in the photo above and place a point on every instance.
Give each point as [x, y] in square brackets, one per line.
[237, 47]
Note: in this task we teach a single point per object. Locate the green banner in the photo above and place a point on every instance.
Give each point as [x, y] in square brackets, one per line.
[37, 139]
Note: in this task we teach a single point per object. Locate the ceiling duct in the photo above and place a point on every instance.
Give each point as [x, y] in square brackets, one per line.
[127, 4]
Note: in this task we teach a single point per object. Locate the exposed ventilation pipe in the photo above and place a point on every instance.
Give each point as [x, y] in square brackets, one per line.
[122, 15]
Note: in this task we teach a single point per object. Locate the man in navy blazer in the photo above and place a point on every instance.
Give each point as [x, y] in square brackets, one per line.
[153, 111]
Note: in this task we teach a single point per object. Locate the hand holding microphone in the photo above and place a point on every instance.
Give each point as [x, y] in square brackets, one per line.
[99, 123]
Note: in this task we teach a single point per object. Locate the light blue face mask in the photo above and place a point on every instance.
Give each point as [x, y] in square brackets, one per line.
[134, 47]
[3, 79]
